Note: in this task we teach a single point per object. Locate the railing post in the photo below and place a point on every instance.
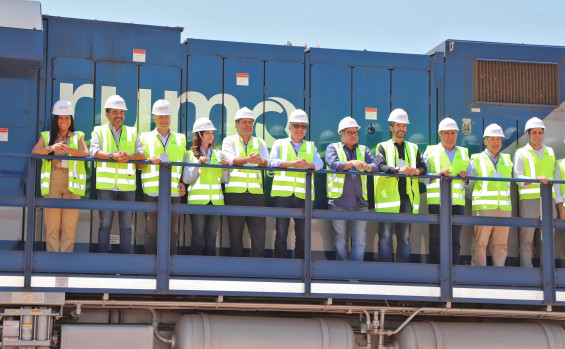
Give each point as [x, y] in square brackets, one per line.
[446, 250]
[164, 229]
[30, 222]
[547, 241]
[308, 235]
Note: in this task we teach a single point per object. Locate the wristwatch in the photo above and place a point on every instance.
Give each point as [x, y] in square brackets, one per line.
[110, 156]
[397, 169]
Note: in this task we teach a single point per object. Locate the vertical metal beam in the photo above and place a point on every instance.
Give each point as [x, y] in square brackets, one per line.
[30, 222]
[308, 235]
[547, 243]
[164, 229]
[445, 221]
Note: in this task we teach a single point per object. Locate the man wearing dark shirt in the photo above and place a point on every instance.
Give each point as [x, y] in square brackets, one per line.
[397, 194]
[349, 192]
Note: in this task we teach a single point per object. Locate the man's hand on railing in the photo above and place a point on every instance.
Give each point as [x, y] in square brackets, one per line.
[155, 160]
[542, 179]
[120, 156]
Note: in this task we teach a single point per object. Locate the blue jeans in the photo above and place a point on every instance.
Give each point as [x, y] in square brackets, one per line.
[106, 218]
[204, 231]
[455, 235]
[282, 224]
[402, 237]
[358, 235]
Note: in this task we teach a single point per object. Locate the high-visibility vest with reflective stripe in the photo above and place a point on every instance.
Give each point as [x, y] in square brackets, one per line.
[490, 195]
[208, 186]
[439, 160]
[562, 166]
[387, 195]
[77, 170]
[287, 183]
[176, 149]
[111, 174]
[242, 180]
[335, 182]
[535, 167]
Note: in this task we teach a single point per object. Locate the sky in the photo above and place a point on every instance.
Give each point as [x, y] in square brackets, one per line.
[411, 26]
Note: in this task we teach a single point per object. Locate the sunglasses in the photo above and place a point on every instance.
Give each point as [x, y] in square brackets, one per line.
[304, 127]
[352, 133]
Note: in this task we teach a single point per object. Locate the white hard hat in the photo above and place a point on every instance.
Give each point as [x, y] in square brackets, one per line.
[298, 115]
[115, 102]
[534, 123]
[398, 115]
[63, 107]
[493, 130]
[203, 124]
[162, 107]
[447, 124]
[347, 122]
[244, 113]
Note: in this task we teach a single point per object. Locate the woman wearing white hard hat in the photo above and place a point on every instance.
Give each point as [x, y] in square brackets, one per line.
[62, 179]
[205, 186]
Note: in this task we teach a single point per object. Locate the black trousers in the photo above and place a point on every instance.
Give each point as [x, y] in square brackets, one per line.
[256, 225]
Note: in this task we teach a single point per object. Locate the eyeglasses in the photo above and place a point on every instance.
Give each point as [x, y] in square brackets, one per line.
[352, 133]
[302, 126]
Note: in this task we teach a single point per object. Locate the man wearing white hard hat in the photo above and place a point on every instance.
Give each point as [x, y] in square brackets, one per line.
[159, 145]
[205, 186]
[490, 198]
[397, 194]
[289, 188]
[245, 187]
[349, 192]
[115, 180]
[534, 160]
[446, 159]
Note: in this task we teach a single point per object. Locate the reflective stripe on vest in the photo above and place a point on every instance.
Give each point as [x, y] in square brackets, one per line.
[77, 169]
[242, 180]
[438, 160]
[176, 149]
[334, 182]
[490, 195]
[535, 167]
[208, 185]
[387, 195]
[112, 174]
[288, 183]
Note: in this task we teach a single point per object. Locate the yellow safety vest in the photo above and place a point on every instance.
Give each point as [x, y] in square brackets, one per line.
[387, 196]
[286, 183]
[534, 167]
[111, 174]
[335, 182]
[208, 186]
[176, 148]
[245, 180]
[490, 195]
[77, 170]
[438, 160]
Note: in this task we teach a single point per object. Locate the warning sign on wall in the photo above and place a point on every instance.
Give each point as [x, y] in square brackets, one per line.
[3, 134]
[371, 113]
[138, 55]
[242, 79]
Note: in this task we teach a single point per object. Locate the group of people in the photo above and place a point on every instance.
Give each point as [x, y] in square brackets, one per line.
[116, 180]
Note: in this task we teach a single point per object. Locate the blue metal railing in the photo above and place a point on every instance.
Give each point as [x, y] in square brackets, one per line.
[163, 266]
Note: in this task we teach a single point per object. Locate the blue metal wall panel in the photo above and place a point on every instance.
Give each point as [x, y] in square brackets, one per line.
[205, 86]
[411, 92]
[371, 89]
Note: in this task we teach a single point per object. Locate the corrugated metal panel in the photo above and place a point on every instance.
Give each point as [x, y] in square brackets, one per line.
[516, 82]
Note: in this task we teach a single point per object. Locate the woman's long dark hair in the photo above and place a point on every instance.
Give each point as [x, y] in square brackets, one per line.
[54, 131]
[196, 143]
